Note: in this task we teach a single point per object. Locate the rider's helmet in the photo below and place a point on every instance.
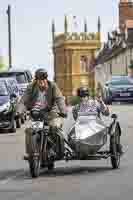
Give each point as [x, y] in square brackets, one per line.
[83, 92]
[41, 74]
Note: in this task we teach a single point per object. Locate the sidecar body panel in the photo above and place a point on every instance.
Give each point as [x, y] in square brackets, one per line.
[88, 134]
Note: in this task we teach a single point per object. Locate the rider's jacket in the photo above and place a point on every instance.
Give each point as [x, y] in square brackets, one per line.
[90, 106]
[52, 97]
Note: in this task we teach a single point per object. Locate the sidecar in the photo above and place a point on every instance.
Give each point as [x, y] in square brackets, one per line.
[89, 136]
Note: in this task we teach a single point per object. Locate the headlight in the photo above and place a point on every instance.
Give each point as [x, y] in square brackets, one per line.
[5, 107]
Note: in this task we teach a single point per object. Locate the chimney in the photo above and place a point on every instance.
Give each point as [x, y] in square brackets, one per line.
[125, 13]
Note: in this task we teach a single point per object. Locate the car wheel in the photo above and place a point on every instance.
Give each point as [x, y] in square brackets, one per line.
[18, 122]
[13, 126]
[25, 116]
[22, 119]
[51, 166]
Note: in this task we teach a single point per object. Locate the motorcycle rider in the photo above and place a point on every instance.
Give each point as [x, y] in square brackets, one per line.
[89, 105]
[44, 93]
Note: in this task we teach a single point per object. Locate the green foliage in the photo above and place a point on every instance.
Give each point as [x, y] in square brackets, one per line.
[74, 100]
[92, 93]
[131, 64]
[1, 65]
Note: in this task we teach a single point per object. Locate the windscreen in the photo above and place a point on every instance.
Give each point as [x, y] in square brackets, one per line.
[3, 89]
[20, 76]
[121, 82]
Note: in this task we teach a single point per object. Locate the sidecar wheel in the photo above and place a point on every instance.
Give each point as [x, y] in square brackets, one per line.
[114, 149]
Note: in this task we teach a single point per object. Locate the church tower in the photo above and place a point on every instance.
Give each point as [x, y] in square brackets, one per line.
[74, 56]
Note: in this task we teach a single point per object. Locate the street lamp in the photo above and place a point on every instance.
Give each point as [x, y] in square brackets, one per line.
[9, 35]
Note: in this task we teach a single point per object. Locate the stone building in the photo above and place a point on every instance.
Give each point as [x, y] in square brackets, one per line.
[117, 53]
[74, 55]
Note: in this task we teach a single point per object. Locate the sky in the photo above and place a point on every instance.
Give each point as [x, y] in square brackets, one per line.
[31, 26]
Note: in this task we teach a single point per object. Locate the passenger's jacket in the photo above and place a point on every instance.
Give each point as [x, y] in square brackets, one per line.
[54, 98]
[90, 106]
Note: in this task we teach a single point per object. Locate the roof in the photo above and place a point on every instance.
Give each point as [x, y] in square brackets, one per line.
[7, 78]
[15, 71]
[113, 47]
[18, 70]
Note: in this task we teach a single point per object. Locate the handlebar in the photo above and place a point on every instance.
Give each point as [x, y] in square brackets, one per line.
[63, 115]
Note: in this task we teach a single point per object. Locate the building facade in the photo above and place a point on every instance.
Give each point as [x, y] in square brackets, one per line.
[117, 53]
[74, 55]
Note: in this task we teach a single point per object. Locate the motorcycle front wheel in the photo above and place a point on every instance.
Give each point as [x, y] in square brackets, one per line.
[34, 160]
[34, 164]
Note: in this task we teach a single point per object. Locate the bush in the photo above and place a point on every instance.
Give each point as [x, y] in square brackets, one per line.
[131, 65]
[74, 100]
[92, 93]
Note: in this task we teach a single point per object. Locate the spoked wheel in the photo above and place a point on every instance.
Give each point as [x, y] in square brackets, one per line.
[114, 148]
[34, 164]
[34, 160]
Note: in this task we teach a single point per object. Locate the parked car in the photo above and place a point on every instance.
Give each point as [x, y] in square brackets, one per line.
[13, 86]
[118, 89]
[23, 78]
[8, 99]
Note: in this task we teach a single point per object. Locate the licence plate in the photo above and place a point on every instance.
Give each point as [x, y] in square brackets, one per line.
[124, 94]
[37, 125]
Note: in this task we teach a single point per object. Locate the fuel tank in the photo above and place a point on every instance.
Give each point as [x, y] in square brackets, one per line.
[88, 134]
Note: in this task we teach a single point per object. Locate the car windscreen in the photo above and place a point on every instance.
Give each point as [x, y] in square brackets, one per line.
[121, 82]
[3, 89]
[20, 76]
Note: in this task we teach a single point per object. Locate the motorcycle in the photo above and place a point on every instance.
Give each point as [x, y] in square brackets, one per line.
[84, 142]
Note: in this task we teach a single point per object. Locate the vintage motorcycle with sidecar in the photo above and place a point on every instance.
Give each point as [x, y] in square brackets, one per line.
[85, 141]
